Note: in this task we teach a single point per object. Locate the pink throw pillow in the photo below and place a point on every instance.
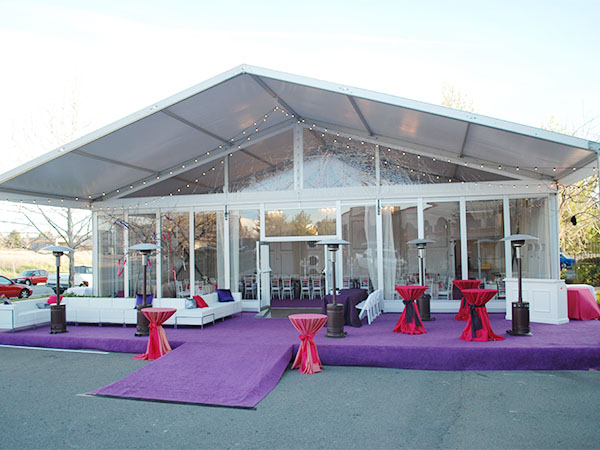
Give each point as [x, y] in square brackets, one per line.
[200, 303]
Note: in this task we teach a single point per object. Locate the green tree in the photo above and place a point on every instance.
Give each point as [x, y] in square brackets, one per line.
[14, 240]
[578, 203]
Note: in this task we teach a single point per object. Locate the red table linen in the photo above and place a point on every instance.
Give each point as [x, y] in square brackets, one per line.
[158, 345]
[463, 312]
[478, 324]
[581, 304]
[410, 320]
[307, 358]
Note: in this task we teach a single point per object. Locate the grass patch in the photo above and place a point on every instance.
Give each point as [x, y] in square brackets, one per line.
[15, 261]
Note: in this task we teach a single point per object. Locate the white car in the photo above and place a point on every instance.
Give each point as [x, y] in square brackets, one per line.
[83, 277]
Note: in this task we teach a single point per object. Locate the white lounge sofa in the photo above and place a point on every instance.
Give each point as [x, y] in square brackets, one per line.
[122, 310]
[24, 313]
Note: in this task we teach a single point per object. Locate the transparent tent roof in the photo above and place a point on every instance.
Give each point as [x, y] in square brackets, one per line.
[242, 120]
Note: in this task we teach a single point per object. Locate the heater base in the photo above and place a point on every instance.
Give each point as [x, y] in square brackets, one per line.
[335, 321]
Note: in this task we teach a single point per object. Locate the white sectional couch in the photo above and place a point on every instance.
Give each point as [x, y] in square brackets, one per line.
[122, 310]
[24, 313]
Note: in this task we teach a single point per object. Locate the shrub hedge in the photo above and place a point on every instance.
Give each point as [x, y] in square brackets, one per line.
[588, 271]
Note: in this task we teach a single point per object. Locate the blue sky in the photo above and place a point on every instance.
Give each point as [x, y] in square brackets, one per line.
[521, 61]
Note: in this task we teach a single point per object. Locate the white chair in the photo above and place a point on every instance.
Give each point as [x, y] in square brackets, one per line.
[305, 287]
[346, 283]
[286, 287]
[275, 287]
[249, 287]
[317, 287]
[445, 291]
[365, 283]
[372, 306]
[179, 289]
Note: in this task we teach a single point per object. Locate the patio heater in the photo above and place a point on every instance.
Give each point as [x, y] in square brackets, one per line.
[335, 311]
[58, 313]
[142, 328]
[520, 309]
[423, 302]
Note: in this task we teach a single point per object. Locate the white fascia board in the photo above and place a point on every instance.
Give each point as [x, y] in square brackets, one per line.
[425, 107]
[423, 150]
[128, 120]
[39, 198]
[573, 176]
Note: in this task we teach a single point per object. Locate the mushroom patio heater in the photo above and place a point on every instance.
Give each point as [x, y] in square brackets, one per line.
[520, 309]
[335, 311]
[58, 313]
[423, 302]
[142, 328]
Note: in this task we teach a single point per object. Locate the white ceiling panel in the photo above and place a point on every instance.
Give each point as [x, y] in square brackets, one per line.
[414, 126]
[156, 142]
[504, 147]
[317, 104]
[72, 176]
[230, 108]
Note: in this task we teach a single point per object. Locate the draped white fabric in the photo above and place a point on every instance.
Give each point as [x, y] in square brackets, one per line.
[389, 256]
[530, 216]
[234, 249]
[371, 236]
[221, 248]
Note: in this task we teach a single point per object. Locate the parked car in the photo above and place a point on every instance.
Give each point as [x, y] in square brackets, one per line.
[30, 277]
[566, 263]
[9, 288]
[64, 280]
[83, 276]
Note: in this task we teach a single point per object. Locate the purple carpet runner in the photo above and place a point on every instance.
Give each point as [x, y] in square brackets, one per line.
[239, 375]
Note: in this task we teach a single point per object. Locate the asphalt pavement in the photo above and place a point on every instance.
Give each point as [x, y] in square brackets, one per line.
[44, 405]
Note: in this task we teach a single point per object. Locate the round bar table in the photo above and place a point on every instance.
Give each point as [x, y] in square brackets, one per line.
[463, 312]
[478, 324]
[307, 358]
[410, 320]
[158, 345]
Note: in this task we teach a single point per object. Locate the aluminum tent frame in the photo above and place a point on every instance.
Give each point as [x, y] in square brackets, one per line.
[170, 143]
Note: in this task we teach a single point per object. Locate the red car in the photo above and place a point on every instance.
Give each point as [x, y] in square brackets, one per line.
[30, 277]
[9, 289]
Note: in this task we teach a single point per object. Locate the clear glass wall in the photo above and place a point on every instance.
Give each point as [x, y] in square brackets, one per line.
[244, 233]
[209, 236]
[142, 229]
[300, 222]
[111, 255]
[530, 216]
[485, 228]
[175, 243]
[441, 223]
[360, 256]
[400, 263]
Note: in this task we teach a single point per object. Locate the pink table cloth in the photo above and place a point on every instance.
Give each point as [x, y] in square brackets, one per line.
[158, 345]
[463, 312]
[478, 323]
[410, 320]
[581, 304]
[307, 358]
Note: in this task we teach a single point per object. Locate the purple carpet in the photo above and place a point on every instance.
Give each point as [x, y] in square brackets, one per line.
[574, 345]
[229, 374]
[297, 303]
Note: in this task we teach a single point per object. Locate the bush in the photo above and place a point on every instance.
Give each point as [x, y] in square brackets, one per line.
[588, 271]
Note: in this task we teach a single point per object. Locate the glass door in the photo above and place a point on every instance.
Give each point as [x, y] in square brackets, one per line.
[263, 275]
